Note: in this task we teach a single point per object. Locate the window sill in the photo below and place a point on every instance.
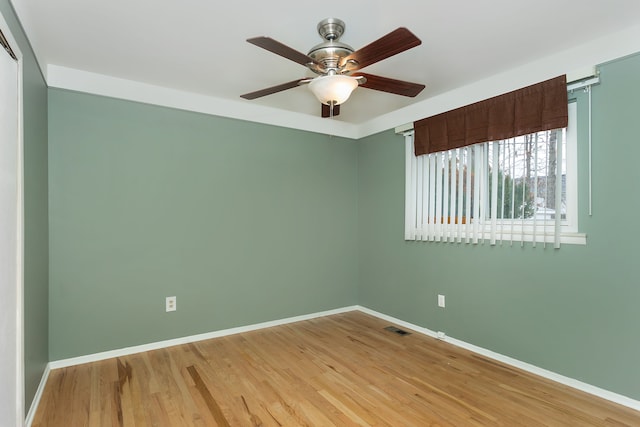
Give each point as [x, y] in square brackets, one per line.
[567, 238]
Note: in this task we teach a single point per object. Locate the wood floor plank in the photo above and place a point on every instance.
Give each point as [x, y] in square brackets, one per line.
[341, 370]
[213, 406]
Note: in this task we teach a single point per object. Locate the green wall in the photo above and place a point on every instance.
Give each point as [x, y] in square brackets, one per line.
[574, 310]
[36, 234]
[243, 222]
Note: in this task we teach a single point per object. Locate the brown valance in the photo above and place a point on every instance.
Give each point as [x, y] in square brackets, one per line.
[534, 108]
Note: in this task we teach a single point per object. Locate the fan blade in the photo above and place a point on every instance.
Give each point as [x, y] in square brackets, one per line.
[273, 89]
[393, 43]
[283, 50]
[326, 110]
[386, 84]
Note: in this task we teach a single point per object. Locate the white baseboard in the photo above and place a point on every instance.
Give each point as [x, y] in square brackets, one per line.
[579, 385]
[36, 399]
[189, 339]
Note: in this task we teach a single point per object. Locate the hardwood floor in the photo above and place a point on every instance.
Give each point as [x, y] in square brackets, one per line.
[341, 370]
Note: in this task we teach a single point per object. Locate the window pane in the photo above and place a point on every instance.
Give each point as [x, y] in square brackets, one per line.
[527, 176]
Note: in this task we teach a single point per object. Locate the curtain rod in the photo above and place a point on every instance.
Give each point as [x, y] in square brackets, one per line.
[583, 83]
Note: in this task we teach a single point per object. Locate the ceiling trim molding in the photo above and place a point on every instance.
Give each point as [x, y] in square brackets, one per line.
[598, 51]
[100, 84]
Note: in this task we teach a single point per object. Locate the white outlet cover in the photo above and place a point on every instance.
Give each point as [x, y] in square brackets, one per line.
[171, 304]
[441, 301]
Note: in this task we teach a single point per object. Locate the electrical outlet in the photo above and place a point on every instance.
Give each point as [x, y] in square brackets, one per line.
[171, 304]
[441, 301]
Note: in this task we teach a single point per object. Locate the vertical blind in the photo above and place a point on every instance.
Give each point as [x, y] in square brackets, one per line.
[508, 190]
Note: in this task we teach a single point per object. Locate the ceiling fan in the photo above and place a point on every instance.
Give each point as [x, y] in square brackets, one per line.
[335, 62]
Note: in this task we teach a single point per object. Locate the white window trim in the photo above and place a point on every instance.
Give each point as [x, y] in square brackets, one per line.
[517, 231]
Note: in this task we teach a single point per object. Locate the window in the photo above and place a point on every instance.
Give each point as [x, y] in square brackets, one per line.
[522, 189]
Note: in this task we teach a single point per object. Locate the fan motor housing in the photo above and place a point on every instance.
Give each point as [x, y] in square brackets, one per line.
[330, 52]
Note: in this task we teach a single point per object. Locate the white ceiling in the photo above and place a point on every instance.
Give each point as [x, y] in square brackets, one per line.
[191, 47]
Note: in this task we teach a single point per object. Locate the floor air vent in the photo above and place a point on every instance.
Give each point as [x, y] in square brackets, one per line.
[396, 330]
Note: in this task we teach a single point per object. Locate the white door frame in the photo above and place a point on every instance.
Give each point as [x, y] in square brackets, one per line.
[17, 308]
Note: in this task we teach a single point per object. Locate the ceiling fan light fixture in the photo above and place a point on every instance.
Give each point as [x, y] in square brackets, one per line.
[334, 61]
[333, 89]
